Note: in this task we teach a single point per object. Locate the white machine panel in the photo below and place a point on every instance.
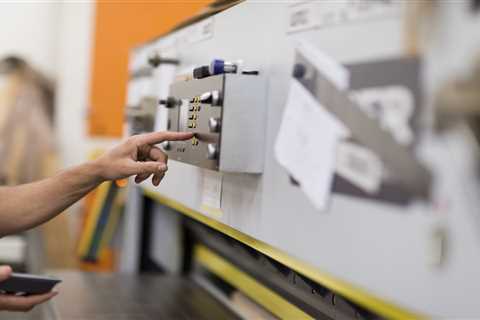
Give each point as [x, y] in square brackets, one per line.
[419, 252]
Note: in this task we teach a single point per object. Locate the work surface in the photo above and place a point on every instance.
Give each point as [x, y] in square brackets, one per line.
[120, 297]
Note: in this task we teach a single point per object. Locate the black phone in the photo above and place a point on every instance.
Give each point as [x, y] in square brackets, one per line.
[26, 284]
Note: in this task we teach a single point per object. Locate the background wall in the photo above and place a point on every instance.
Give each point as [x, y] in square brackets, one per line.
[30, 30]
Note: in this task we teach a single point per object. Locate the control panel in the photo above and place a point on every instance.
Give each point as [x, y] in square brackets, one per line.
[227, 113]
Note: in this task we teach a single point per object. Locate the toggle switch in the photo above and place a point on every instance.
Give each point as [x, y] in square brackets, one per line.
[214, 124]
[212, 151]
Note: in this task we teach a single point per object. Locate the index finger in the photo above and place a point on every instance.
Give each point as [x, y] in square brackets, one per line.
[157, 137]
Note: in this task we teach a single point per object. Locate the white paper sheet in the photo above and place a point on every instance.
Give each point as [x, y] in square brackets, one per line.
[211, 201]
[306, 144]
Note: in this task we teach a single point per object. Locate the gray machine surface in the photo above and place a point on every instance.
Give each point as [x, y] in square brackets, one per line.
[419, 254]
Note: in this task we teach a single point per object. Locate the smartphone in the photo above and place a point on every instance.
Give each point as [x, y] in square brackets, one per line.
[27, 284]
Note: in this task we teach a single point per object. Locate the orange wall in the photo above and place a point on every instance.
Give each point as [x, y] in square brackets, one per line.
[120, 25]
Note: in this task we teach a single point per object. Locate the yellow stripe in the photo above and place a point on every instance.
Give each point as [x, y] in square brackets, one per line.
[116, 211]
[94, 214]
[251, 288]
[353, 293]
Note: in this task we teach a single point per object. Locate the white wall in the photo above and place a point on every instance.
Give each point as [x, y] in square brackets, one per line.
[57, 38]
[30, 30]
[75, 45]
[73, 75]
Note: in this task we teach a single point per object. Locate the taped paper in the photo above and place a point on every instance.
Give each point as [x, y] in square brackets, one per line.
[211, 201]
[306, 144]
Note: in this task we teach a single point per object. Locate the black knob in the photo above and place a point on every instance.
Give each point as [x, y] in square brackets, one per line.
[170, 102]
[299, 71]
[154, 60]
[201, 72]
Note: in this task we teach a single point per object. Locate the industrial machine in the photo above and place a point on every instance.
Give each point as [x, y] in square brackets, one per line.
[334, 167]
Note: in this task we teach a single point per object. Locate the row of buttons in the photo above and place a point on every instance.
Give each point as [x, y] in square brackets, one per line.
[194, 108]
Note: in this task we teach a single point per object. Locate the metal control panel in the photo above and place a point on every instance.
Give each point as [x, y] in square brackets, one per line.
[229, 125]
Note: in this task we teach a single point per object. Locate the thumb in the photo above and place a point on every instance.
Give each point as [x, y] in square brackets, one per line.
[5, 272]
[149, 167]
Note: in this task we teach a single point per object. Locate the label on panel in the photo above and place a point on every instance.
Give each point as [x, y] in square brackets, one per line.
[198, 32]
[320, 14]
[211, 201]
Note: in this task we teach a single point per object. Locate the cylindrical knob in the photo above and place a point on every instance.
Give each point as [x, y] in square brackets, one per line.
[170, 102]
[219, 66]
[214, 124]
[166, 145]
[201, 72]
[212, 151]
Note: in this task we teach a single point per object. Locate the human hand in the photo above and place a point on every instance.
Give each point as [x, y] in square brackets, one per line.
[138, 156]
[9, 302]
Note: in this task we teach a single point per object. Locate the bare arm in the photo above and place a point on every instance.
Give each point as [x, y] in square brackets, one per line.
[26, 206]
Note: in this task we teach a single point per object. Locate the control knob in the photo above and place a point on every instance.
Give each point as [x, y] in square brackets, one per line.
[214, 124]
[212, 151]
[166, 145]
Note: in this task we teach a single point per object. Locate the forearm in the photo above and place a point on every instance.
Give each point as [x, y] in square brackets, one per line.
[26, 206]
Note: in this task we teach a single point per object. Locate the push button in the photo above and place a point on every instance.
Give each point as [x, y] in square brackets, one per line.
[195, 141]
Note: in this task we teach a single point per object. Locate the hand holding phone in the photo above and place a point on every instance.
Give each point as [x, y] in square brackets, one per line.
[22, 292]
